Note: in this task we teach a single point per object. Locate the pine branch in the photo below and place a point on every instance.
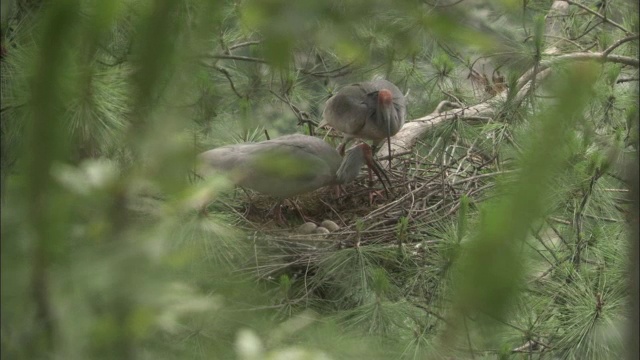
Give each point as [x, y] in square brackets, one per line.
[616, 44]
[228, 76]
[597, 14]
[624, 80]
[577, 220]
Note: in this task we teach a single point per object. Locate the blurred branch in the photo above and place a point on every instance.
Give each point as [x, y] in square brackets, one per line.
[243, 44]
[580, 47]
[579, 56]
[577, 219]
[302, 116]
[443, 5]
[11, 107]
[238, 57]
[598, 56]
[341, 71]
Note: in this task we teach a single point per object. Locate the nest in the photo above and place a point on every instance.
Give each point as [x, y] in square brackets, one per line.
[422, 193]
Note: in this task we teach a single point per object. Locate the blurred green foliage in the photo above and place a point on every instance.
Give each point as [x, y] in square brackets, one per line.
[105, 104]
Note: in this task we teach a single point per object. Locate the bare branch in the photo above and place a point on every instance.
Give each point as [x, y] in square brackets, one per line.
[597, 14]
[616, 44]
[624, 80]
[228, 76]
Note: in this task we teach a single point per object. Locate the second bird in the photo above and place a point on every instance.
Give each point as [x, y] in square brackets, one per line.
[287, 166]
[373, 110]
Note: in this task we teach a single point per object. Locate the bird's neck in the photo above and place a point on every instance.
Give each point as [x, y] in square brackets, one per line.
[350, 166]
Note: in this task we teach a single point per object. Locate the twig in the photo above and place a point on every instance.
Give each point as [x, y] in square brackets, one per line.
[616, 44]
[238, 57]
[228, 76]
[243, 44]
[577, 219]
[431, 312]
[597, 14]
[623, 80]
[341, 71]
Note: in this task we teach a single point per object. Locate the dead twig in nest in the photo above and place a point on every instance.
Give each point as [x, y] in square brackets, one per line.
[428, 191]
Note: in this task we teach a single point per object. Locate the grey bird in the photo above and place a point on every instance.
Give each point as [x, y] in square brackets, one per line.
[373, 110]
[287, 166]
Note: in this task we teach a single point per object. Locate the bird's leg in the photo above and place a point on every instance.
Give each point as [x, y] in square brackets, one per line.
[376, 146]
[338, 190]
[372, 165]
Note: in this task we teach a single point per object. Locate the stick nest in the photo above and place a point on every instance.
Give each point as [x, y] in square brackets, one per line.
[422, 193]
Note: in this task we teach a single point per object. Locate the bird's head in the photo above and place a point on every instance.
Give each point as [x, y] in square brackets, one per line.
[385, 113]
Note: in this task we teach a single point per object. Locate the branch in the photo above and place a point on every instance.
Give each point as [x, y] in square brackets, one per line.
[599, 56]
[246, 43]
[597, 14]
[579, 56]
[619, 42]
[341, 71]
[302, 116]
[228, 76]
[623, 80]
[238, 57]
[406, 138]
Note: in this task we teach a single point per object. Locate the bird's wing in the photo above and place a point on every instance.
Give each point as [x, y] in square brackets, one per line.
[285, 169]
[347, 111]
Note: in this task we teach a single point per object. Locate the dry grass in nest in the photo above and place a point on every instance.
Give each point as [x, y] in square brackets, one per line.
[422, 192]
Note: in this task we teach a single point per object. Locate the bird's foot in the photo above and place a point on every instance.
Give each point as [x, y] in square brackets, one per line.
[373, 194]
[337, 191]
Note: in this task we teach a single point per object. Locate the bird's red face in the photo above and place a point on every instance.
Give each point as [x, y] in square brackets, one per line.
[385, 98]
